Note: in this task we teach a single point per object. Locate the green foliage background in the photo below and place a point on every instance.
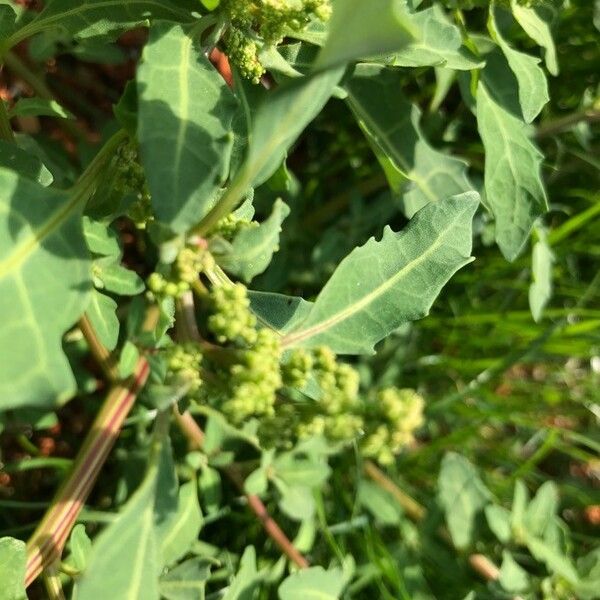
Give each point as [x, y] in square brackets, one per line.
[390, 142]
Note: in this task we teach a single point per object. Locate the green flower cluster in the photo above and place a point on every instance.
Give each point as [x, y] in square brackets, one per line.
[228, 227]
[395, 415]
[130, 179]
[231, 319]
[161, 286]
[183, 363]
[190, 261]
[257, 22]
[297, 368]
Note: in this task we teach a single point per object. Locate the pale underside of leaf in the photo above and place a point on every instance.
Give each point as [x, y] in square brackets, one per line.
[383, 284]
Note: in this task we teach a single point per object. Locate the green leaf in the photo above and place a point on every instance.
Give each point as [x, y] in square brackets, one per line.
[80, 546]
[295, 502]
[513, 186]
[519, 506]
[186, 581]
[439, 43]
[128, 359]
[7, 20]
[364, 29]
[462, 495]
[512, 578]
[24, 163]
[498, 519]
[100, 238]
[296, 470]
[38, 107]
[126, 109]
[99, 18]
[185, 113]
[540, 289]
[247, 578]
[532, 84]
[281, 118]
[209, 483]
[253, 248]
[391, 123]
[314, 583]
[117, 279]
[257, 482]
[13, 560]
[555, 561]
[538, 30]
[177, 533]
[44, 285]
[124, 555]
[379, 503]
[278, 311]
[383, 284]
[542, 509]
[101, 311]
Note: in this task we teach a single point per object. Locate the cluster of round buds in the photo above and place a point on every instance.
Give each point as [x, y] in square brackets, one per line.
[189, 262]
[255, 379]
[130, 179]
[277, 16]
[183, 363]
[255, 22]
[242, 51]
[160, 286]
[231, 319]
[297, 368]
[398, 413]
[228, 227]
[337, 412]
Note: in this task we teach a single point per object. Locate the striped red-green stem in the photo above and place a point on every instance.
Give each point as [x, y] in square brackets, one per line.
[47, 542]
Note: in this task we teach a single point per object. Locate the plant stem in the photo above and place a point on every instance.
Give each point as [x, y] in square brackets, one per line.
[591, 115]
[416, 512]
[47, 542]
[53, 584]
[101, 355]
[6, 132]
[195, 436]
[410, 506]
[87, 182]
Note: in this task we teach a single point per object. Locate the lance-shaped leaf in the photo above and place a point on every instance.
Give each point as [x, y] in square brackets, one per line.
[280, 119]
[538, 30]
[540, 289]
[185, 113]
[513, 185]
[391, 123]
[383, 284]
[24, 163]
[44, 285]
[177, 533]
[532, 84]
[100, 18]
[101, 311]
[365, 29]
[253, 248]
[127, 553]
[439, 43]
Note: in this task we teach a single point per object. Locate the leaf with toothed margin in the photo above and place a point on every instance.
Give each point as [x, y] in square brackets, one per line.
[385, 283]
[44, 289]
[253, 248]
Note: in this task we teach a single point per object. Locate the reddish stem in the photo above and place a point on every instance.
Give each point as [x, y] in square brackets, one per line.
[47, 542]
[195, 435]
